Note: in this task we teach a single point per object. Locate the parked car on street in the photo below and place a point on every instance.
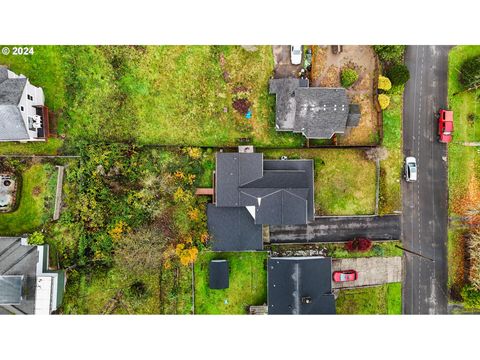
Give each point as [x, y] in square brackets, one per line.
[296, 54]
[346, 275]
[410, 169]
[445, 125]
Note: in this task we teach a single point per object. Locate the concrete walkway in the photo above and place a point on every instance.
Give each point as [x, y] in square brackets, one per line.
[58, 195]
[371, 271]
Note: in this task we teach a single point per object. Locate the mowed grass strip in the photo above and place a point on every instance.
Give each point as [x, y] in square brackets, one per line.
[345, 179]
[31, 212]
[391, 168]
[248, 283]
[382, 300]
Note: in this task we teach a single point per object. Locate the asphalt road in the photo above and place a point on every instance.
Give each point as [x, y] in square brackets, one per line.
[339, 229]
[425, 202]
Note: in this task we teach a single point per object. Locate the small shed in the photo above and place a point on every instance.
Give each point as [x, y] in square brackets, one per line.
[218, 270]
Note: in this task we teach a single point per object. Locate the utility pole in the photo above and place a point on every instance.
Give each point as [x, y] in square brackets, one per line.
[415, 253]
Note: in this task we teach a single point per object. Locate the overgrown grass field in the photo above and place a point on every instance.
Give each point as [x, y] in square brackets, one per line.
[179, 95]
[248, 283]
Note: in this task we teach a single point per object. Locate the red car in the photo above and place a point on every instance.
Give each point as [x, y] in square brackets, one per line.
[346, 275]
[445, 126]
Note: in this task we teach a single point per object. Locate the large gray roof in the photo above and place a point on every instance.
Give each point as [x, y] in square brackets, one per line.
[280, 191]
[300, 285]
[320, 112]
[12, 126]
[18, 259]
[316, 112]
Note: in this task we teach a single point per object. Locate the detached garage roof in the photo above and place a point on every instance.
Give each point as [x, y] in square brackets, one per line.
[218, 273]
[300, 285]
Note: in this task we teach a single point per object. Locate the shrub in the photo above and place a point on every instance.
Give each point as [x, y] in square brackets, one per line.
[384, 83]
[390, 53]
[348, 77]
[398, 74]
[359, 244]
[471, 297]
[384, 101]
[37, 238]
[470, 73]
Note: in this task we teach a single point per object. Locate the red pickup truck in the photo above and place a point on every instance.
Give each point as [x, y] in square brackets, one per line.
[445, 125]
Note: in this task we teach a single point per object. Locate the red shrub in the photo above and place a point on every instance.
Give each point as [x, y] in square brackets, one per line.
[359, 244]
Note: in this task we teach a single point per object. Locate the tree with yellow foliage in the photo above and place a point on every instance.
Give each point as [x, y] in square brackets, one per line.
[384, 83]
[384, 101]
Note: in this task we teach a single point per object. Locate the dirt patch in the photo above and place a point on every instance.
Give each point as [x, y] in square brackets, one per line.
[37, 190]
[326, 69]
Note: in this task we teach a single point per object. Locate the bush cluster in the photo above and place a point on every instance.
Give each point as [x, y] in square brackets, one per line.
[348, 77]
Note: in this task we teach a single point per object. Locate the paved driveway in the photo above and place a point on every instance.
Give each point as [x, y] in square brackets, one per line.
[425, 203]
[371, 271]
[339, 229]
[283, 66]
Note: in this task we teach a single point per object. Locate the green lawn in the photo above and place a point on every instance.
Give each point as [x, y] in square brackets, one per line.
[50, 147]
[384, 299]
[248, 283]
[391, 168]
[344, 179]
[180, 95]
[387, 249]
[36, 201]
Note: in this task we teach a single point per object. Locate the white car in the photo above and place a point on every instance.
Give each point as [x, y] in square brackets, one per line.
[410, 169]
[296, 54]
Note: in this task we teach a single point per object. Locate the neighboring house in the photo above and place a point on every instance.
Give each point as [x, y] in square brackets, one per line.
[23, 114]
[300, 285]
[250, 192]
[315, 112]
[27, 286]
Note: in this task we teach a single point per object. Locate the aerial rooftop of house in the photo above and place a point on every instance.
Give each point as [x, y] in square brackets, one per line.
[27, 286]
[315, 112]
[23, 116]
[300, 285]
[251, 191]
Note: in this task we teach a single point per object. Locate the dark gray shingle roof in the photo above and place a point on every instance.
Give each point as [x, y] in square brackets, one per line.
[233, 229]
[218, 274]
[301, 285]
[321, 112]
[280, 190]
[316, 112]
[354, 115]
